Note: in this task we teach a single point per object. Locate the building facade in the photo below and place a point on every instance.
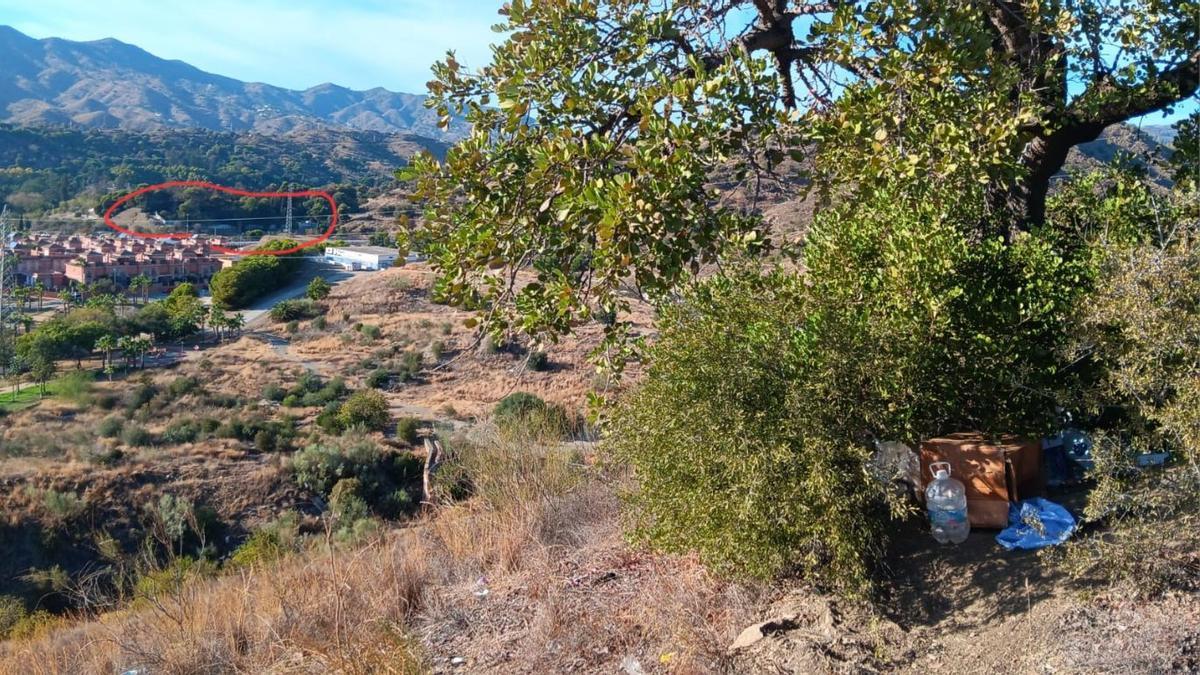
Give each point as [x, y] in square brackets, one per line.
[361, 257]
[59, 260]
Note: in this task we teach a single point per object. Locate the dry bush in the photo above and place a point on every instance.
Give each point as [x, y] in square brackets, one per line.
[530, 575]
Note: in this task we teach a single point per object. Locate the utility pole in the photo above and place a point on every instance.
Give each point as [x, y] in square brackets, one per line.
[287, 225]
[3, 262]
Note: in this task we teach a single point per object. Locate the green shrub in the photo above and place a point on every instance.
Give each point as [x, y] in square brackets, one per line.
[76, 386]
[318, 289]
[329, 419]
[539, 361]
[136, 436]
[140, 396]
[437, 349]
[268, 543]
[12, 611]
[265, 440]
[182, 385]
[346, 503]
[367, 408]
[371, 332]
[294, 310]
[293, 327]
[291, 401]
[110, 427]
[274, 392]
[173, 576]
[526, 414]
[320, 466]
[319, 323]
[378, 379]
[408, 429]
[34, 625]
[181, 431]
[410, 366]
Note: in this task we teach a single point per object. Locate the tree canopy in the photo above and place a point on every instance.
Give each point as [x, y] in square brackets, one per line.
[608, 137]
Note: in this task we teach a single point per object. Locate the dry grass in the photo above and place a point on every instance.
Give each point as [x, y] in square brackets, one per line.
[562, 592]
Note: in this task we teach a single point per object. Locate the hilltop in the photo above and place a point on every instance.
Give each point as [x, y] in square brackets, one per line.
[110, 84]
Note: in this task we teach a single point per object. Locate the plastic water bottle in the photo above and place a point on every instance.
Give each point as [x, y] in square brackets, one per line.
[946, 500]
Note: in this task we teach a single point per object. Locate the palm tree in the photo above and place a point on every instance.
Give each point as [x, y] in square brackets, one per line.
[65, 297]
[141, 285]
[235, 322]
[217, 319]
[39, 289]
[107, 344]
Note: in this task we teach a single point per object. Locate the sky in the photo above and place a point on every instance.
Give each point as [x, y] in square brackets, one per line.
[297, 44]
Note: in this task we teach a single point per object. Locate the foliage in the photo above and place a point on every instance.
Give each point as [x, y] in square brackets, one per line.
[902, 326]
[623, 142]
[1138, 332]
[524, 413]
[345, 503]
[293, 310]
[12, 611]
[318, 289]
[181, 431]
[408, 429]
[75, 166]
[236, 286]
[1185, 158]
[136, 436]
[268, 543]
[367, 408]
[382, 476]
[110, 427]
[170, 578]
[310, 390]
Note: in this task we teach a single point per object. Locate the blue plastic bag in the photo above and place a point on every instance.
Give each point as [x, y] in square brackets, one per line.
[1034, 523]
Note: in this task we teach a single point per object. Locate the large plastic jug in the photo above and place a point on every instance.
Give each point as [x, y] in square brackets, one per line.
[946, 500]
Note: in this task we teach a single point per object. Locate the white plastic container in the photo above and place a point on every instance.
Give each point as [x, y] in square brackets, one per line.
[946, 500]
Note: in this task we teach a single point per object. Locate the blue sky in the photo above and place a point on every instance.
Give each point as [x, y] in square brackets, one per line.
[297, 43]
[289, 43]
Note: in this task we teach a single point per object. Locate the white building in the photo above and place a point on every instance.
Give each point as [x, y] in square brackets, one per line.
[361, 257]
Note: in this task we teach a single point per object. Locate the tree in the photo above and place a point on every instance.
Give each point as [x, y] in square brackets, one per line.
[318, 289]
[185, 310]
[140, 285]
[134, 348]
[42, 367]
[39, 289]
[600, 129]
[106, 344]
[1185, 159]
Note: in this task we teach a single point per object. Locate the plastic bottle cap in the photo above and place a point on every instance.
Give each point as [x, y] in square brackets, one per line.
[941, 473]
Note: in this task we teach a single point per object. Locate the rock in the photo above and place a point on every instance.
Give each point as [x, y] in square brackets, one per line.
[762, 629]
[632, 666]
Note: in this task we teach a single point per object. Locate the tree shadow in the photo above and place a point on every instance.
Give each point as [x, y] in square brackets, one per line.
[970, 584]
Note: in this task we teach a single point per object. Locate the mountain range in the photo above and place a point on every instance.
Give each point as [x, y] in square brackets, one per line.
[110, 84]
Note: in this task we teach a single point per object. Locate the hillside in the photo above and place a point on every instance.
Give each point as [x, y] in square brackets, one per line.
[113, 85]
[42, 169]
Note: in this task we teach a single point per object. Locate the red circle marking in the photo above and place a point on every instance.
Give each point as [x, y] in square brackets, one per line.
[233, 191]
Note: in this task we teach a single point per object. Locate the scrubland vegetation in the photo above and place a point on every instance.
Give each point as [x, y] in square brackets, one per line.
[717, 470]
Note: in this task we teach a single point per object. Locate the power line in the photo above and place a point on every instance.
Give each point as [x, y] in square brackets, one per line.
[100, 221]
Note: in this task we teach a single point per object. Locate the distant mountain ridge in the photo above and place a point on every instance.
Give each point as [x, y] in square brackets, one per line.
[109, 84]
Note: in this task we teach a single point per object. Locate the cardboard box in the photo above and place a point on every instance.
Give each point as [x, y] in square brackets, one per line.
[994, 472]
